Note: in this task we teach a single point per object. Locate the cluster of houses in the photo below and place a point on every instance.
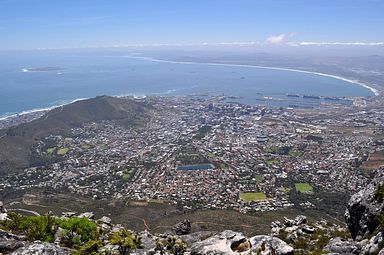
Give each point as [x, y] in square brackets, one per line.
[254, 149]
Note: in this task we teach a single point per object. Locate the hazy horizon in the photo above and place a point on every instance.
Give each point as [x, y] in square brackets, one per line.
[282, 25]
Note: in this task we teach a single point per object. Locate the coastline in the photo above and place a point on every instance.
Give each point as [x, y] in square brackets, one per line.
[65, 102]
[373, 90]
[36, 110]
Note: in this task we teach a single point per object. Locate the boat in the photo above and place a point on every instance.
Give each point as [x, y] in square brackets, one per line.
[311, 97]
[293, 95]
[331, 98]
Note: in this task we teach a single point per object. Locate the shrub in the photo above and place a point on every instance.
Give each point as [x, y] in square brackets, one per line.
[77, 231]
[171, 244]
[89, 248]
[301, 244]
[126, 241]
[379, 193]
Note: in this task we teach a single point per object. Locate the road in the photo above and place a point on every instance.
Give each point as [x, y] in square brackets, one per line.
[24, 210]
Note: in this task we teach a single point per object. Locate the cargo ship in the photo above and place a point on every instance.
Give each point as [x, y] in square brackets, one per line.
[293, 95]
[311, 97]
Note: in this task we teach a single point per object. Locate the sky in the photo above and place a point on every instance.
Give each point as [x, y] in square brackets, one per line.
[32, 24]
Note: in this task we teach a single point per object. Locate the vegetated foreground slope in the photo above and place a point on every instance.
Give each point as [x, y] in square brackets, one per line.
[15, 147]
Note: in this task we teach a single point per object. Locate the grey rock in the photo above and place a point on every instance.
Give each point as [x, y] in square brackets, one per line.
[308, 229]
[276, 224]
[300, 219]
[68, 214]
[105, 220]
[148, 240]
[182, 228]
[7, 246]
[4, 235]
[105, 227]
[2, 209]
[342, 247]
[117, 227]
[60, 233]
[374, 244]
[217, 244]
[39, 248]
[288, 222]
[229, 242]
[3, 216]
[363, 209]
[88, 215]
[196, 237]
[270, 245]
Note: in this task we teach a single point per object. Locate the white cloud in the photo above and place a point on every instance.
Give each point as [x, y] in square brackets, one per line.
[277, 39]
[340, 43]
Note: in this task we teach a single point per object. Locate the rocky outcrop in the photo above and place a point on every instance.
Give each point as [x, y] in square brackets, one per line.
[3, 212]
[42, 249]
[10, 242]
[270, 245]
[363, 210]
[218, 244]
[362, 214]
[182, 228]
[374, 244]
[229, 242]
[7, 246]
[89, 215]
[342, 247]
[293, 228]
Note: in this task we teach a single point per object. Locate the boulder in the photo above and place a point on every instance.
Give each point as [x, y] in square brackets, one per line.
[68, 214]
[263, 244]
[342, 247]
[105, 220]
[229, 242]
[88, 215]
[308, 229]
[3, 216]
[148, 240]
[182, 228]
[3, 212]
[374, 244]
[288, 222]
[4, 235]
[196, 237]
[60, 233]
[2, 209]
[363, 209]
[7, 246]
[219, 244]
[42, 249]
[300, 219]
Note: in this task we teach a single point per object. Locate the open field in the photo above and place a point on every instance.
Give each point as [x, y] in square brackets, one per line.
[252, 196]
[50, 151]
[375, 160]
[259, 178]
[62, 151]
[303, 187]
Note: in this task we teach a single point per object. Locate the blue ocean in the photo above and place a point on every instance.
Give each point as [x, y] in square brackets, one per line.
[27, 83]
